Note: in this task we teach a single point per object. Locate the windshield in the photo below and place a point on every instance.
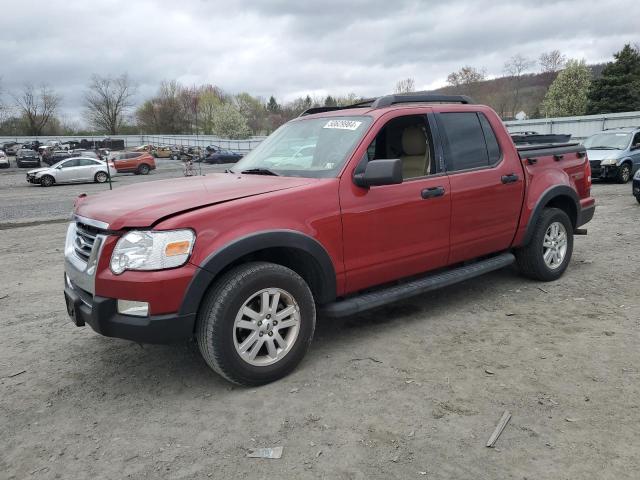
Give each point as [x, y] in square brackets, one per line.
[315, 147]
[608, 141]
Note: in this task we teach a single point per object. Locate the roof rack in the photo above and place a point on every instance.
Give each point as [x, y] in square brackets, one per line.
[362, 104]
[388, 100]
[420, 98]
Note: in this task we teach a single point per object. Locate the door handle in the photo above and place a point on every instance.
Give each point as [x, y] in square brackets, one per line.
[512, 177]
[432, 192]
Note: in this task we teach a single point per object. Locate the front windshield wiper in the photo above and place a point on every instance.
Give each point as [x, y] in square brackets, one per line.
[260, 171]
[604, 148]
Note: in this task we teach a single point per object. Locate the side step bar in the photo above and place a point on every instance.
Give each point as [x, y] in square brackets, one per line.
[370, 300]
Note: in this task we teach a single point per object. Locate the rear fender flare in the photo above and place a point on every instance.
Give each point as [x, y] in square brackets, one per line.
[548, 196]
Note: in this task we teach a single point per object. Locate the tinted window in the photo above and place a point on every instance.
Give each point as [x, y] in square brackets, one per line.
[133, 155]
[636, 140]
[70, 163]
[493, 149]
[85, 162]
[465, 146]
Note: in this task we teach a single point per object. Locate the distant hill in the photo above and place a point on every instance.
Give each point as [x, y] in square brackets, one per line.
[500, 93]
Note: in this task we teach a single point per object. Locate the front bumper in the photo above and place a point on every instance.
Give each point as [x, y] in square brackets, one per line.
[604, 172]
[102, 315]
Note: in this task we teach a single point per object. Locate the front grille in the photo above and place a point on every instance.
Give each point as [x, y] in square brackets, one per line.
[85, 239]
[594, 163]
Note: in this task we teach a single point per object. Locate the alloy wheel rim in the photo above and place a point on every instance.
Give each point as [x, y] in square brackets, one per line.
[625, 173]
[554, 245]
[266, 327]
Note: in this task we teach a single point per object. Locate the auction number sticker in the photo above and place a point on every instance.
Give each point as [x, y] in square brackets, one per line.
[343, 124]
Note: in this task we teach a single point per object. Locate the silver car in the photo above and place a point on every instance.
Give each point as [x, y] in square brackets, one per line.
[72, 170]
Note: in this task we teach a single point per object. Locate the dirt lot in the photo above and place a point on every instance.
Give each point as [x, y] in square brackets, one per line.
[409, 391]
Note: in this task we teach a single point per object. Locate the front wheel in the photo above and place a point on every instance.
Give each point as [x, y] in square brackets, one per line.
[624, 173]
[256, 323]
[143, 169]
[548, 254]
[47, 181]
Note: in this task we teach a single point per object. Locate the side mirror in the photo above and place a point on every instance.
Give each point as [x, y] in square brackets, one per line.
[380, 172]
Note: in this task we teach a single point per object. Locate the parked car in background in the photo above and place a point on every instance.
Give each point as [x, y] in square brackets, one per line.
[72, 170]
[4, 160]
[162, 152]
[70, 145]
[56, 157]
[85, 153]
[7, 145]
[223, 156]
[144, 148]
[614, 154]
[140, 163]
[12, 148]
[27, 158]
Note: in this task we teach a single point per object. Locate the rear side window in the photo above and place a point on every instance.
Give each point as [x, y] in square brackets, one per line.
[464, 141]
[85, 162]
[493, 149]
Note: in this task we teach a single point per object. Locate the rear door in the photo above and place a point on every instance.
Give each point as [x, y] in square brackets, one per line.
[487, 184]
[67, 171]
[86, 170]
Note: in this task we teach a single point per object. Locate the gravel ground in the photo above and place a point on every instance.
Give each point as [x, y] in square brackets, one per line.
[412, 390]
[21, 201]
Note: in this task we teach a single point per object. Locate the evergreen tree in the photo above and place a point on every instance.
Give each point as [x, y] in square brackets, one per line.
[567, 94]
[330, 101]
[272, 105]
[619, 88]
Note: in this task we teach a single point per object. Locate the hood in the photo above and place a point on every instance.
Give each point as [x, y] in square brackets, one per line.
[602, 154]
[37, 170]
[143, 204]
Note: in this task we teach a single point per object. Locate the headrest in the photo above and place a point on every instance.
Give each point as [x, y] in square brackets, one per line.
[413, 141]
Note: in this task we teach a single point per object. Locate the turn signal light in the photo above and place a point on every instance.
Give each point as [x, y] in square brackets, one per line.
[177, 248]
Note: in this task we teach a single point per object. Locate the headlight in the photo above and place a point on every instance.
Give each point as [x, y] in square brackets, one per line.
[609, 161]
[151, 250]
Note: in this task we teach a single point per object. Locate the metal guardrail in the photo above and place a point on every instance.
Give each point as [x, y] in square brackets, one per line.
[242, 146]
[579, 127]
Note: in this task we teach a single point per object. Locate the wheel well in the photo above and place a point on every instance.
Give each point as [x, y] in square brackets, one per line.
[50, 176]
[300, 261]
[566, 204]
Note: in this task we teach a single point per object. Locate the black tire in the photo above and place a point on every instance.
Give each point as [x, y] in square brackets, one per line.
[101, 177]
[638, 198]
[47, 181]
[530, 257]
[215, 323]
[624, 173]
[143, 169]
[174, 157]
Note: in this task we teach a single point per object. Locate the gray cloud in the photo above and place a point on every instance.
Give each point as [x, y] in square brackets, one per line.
[290, 48]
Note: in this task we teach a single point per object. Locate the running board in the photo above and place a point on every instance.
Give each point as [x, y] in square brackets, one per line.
[370, 300]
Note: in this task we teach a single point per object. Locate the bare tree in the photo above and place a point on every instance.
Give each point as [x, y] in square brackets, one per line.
[516, 67]
[552, 61]
[405, 86]
[37, 106]
[107, 102]
[466, 76]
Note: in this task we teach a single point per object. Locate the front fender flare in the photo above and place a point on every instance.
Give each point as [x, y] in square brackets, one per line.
[221, 258]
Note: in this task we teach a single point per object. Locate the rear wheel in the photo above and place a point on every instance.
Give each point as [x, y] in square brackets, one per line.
[143, 169]
[548, 254]
[638, 198]
[624, 173]
[256, 323]
[47, 181]
[101, 177]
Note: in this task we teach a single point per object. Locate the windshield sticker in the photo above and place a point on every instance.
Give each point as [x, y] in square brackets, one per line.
[343, 124]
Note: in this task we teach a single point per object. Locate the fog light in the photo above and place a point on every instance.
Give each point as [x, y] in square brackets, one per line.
[131, 307]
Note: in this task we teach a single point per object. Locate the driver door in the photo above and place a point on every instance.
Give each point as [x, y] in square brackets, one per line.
[67, 170]
[396, 231]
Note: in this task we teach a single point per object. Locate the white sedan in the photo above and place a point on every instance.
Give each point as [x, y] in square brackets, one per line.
[72, 170]
[4, 161]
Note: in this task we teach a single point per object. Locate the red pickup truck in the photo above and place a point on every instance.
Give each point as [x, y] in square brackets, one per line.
[338, 211]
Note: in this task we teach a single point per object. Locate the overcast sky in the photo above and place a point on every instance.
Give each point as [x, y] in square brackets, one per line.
[293, 47]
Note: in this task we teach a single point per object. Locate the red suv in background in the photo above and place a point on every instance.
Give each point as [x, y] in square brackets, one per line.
[140, 163]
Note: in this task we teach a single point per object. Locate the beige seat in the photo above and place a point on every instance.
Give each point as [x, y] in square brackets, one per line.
[415, 158]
